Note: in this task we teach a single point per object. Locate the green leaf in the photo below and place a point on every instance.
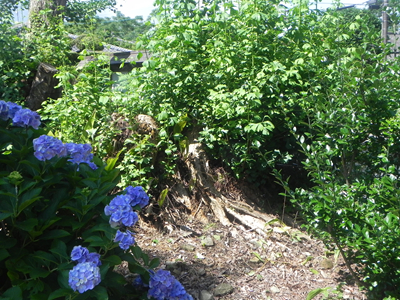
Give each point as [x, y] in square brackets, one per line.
[29, 198]
[314, 271]
[14, 293]
[27, 225]
[62, 279]
[154, 263]
[59, 248]
[112, 161]
[178, 128]
[100, 292]
[113, 260]
[314, 293]
[5, 215]
[60, 293]
[55, 234]
[162, 197]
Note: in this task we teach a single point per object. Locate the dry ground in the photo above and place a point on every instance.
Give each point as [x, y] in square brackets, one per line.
[285, 264]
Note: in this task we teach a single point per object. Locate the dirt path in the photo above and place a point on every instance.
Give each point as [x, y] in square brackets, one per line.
[214, 261]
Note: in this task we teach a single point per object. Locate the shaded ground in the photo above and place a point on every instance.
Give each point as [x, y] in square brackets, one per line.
[284, 264]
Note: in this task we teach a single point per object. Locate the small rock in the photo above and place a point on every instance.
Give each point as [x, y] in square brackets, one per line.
[200, 256]
[187, 247]
[326, 264]
[169, 265]
[205, 295]
[255, 244]
[208, 242]
[201, 271]
[223, 289]
[274, 290]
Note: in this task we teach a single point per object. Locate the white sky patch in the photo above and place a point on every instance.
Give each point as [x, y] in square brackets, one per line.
[132, 8]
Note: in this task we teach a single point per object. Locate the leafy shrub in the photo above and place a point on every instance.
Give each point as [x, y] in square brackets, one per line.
[351, 146]
[54, 200]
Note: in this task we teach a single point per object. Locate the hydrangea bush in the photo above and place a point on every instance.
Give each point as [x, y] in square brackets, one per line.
[61, 232]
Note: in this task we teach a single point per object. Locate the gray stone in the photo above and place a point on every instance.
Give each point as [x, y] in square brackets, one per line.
[205, 295]
[201, 271]
[223, 289]
[187, 247]
[208, 241]
[274, 290]
[256, 244]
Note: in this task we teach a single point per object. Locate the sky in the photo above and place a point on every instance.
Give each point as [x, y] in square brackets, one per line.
[133, 8]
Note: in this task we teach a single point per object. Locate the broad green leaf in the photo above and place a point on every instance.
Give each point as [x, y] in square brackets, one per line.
[54, 234]
[14, 293]
[100, 292]
[62, 292]
[27, 225]
[113, 260]
[154, 263]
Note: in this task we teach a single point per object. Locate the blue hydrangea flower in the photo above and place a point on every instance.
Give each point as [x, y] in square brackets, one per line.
[46, 147]
[94, 258]
[164, 286]
[25, 117]
[80, 153]
[12, 109]
[82, 255]
[121, 212]
[84, 276]
[3, 110]
[79, 254]
[125, 239]
[137, 196]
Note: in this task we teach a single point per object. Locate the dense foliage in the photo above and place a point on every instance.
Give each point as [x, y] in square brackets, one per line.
[266, 86]
[118, 30]
[261, 86]
[55, 198]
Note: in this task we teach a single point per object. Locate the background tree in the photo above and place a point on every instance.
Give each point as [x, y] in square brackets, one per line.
[118, 30]
[36, 19]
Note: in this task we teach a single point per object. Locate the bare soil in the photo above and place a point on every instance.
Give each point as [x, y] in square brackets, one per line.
[285, 264]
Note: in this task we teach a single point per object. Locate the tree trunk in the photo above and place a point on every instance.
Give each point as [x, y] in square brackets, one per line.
[36, 6]
[43, 87]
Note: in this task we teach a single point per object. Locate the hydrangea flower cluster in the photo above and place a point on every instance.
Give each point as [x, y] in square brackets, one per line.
[47, 147]
[125, 239]
[80, 153]
[164, 286]
[86, 274]
[137, 196]
[122, 214]
[82, 255]
[21, 117]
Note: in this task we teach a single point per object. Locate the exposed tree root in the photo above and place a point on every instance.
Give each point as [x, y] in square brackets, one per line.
[199, 194]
